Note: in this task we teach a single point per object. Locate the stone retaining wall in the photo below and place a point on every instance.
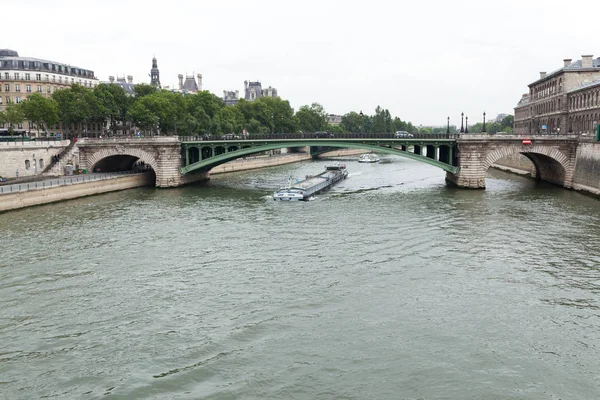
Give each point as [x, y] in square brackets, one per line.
[14, 154]
[35, 197]
[586, 177]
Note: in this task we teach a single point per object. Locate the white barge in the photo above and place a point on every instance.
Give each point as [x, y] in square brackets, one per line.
[312, 185]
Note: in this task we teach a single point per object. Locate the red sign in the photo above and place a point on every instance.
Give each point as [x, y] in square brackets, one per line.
[526, 141]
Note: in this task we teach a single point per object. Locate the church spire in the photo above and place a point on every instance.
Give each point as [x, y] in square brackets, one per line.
[154, 74]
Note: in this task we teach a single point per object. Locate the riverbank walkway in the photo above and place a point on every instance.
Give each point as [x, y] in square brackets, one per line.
[63, 181]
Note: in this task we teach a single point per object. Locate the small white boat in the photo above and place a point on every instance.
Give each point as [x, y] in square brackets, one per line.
[368, 158]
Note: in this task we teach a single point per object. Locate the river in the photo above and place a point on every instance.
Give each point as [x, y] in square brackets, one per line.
[391, 285]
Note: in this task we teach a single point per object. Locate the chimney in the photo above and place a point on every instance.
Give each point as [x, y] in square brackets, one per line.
[111, 79]
[586, 61]
[237, 94]
[180, 76]
[567, 62]
[130, 78]
[199, 82]
[542, 75]
[245, 84]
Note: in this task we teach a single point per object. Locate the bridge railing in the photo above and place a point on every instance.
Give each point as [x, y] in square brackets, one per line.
[314, 135]
[69, 180]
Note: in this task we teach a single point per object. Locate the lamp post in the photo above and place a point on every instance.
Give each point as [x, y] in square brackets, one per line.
[34, 164]
[361, 121]
[466, 124]
[483, 129]
[448, 127]
[272, 123]
[462, 127]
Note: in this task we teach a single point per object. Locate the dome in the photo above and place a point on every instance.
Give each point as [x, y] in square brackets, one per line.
[8, 53]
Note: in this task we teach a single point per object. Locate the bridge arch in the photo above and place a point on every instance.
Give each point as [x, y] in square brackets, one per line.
[122, 154]
[221, 155]
[550, 164]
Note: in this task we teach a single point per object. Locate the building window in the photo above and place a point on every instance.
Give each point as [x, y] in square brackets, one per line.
[72, 81]
[6, 75]
[16, 76]
[7, 87]
[27, 77]
[17, 87]
[38, 77]
[47, 89]
[0, 100]
[47, 77]
[19, 126]
[28, 88]
[17, 99]
[41, 164]
[27, 164]
[60, 79]
[39, 88]
[7, 99]
[53, 78]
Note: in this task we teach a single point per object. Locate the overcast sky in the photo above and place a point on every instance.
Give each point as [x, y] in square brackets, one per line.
[423, 60]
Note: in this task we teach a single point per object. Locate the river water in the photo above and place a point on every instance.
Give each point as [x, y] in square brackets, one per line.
[389, 286]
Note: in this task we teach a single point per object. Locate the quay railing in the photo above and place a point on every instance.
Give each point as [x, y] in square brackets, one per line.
[63, 181]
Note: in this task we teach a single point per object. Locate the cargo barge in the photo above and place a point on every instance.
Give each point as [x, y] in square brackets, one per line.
[312, 185]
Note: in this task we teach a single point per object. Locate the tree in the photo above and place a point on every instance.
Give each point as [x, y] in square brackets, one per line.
[112, 104]
[13, 114]
[351, 122]
[40, 110]
[312, 119]
[76, 104]
[143, 89]
[142, 117]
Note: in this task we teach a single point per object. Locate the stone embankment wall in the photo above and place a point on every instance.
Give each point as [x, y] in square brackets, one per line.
[243, 164]
[586, 177]
[13, 156]
[13, 201]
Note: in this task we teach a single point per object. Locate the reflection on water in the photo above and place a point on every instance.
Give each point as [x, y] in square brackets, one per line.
[389, 285]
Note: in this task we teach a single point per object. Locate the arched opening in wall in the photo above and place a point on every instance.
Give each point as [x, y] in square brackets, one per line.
[121, 164]
[536, 165]
[27, 164]
[194, 154]
[206, 153]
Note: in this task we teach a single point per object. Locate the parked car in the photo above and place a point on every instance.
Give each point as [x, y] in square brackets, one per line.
[230, 136]
[403, 134]
[324, 134]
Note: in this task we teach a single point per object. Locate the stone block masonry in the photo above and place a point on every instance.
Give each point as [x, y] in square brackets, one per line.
[30, 158]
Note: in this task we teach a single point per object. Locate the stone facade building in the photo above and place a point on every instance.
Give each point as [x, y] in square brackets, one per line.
[254, 90]
[231, 97]
[22, 76]
[564, 101]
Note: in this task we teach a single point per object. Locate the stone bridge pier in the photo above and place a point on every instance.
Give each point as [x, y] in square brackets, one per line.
[554, 159]
[162, 154]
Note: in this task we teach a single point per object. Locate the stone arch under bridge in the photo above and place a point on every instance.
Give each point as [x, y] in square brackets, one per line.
[553, 158]
[106, 152]
[551, 164]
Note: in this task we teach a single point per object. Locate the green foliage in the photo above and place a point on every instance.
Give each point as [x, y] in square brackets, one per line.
[40, 110]
[143, 89]
[165, 112]
[12, 114]
[312, 119]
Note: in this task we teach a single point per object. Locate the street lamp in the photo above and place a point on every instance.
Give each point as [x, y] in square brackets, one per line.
[272, 122]
[361, 121]
[448, 127]
[483, 129]
[462, 127]
[466, 124]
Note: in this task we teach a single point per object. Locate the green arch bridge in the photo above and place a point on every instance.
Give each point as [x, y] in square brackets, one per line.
[204, 153]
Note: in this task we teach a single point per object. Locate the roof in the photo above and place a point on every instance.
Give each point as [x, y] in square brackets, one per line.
[9, 59]
[127, 87]
[574, 66]
[190, 84]
[585, 85]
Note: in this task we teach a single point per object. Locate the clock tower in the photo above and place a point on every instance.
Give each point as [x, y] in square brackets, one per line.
[154, 74]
